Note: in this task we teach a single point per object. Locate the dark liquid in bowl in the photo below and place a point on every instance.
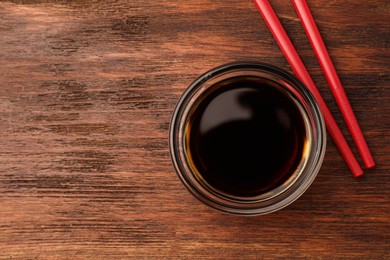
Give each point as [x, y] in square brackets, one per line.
[246, 136]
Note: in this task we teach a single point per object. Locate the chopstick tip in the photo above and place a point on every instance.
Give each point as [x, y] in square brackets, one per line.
[369, 165]
[358, 174]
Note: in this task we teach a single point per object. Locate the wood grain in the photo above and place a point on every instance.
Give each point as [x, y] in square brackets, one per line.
[87, 89]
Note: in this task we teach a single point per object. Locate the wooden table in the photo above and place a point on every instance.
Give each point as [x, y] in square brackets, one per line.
[87, 89]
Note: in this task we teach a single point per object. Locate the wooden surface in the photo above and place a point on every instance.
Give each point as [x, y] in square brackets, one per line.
[87, 89]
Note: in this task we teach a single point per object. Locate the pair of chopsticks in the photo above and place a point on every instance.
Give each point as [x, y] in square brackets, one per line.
[327, 67]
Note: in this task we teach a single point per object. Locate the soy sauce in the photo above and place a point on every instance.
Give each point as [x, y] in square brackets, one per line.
[246, 136]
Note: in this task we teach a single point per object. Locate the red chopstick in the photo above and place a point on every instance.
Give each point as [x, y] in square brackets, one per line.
[300, 71]
[326, 63]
